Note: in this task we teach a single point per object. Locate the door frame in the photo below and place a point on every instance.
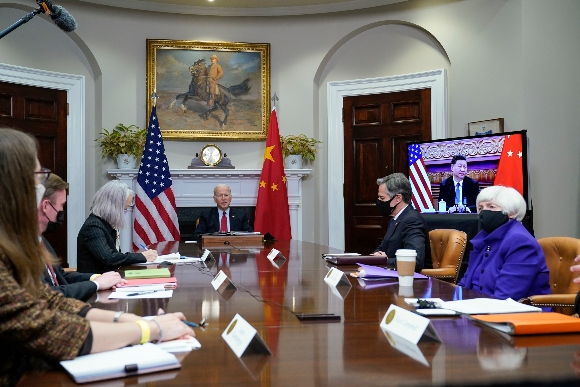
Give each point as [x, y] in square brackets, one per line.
[436, 80]
[74, 85]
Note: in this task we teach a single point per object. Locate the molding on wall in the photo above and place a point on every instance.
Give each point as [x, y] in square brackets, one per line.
[74, 85]
[436, 80]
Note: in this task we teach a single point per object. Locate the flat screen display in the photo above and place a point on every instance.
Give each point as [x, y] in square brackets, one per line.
[478, 162]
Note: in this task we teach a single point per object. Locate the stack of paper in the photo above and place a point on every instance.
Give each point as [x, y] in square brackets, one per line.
[142, 291]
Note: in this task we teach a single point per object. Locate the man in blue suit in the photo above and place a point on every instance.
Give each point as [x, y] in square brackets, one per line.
[407, 228]
[222, 218]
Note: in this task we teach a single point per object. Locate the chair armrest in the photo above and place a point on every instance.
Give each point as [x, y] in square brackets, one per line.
[444, 271]
[550, 300]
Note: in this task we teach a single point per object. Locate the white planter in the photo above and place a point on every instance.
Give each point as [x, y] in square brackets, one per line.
[293, 162]
[126, 161]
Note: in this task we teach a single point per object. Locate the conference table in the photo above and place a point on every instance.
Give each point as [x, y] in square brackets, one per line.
[351, 351]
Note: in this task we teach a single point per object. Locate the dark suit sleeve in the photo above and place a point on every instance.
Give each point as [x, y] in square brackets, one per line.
[94, 239]
[82, 290]
[472, 195]
[245, 223]
[204, 226]
[413, 238]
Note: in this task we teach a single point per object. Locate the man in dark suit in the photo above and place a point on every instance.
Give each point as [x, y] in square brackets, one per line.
[222, 218]
[407, 228]
[81, 286]
[459, 191]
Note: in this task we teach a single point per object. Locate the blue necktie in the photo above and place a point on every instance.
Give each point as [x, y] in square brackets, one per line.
[457, 194]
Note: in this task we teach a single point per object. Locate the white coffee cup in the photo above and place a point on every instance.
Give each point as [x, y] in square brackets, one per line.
[406, 259]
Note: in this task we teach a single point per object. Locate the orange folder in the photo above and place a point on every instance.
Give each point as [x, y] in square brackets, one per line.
[530, 323]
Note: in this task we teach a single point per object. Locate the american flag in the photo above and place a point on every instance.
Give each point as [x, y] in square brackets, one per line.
[422, 197]
[155, 213]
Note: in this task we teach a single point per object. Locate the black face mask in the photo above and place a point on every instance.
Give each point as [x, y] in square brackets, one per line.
[53, 226]
[385, 207]
[491, 220]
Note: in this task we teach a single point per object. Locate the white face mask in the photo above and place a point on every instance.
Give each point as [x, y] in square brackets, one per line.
[40, 188]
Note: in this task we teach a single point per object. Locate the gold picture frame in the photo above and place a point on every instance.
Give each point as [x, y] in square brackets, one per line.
[181, 73]
[481, 128]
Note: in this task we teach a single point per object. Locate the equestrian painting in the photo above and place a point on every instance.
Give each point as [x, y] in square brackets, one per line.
[210, 90]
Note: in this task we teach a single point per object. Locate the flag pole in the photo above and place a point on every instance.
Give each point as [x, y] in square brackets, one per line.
[154, 97]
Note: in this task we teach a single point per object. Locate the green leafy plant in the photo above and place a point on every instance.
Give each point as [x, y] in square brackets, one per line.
[299, 145]
[123, 140]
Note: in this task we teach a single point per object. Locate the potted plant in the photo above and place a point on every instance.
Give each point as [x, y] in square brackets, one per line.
[125, 143]
[297, 149]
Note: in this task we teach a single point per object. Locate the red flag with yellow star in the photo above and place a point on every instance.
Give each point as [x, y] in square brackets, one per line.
[272, 212]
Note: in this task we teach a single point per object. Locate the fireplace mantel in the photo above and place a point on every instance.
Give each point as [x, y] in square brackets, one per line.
[194, 188]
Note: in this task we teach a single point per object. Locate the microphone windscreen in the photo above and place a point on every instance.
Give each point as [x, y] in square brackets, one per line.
[63, 19]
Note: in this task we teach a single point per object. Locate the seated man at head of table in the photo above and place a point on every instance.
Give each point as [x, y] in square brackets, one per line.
[407, 228]
[81, 286]
[222, 218]
[459, 191]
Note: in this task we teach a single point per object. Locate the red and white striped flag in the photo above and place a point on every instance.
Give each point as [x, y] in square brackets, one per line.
[155, 210]
[422, 198]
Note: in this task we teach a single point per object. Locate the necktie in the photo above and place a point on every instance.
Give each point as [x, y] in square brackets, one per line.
[224, 223]
[52, 274]
[457, 194]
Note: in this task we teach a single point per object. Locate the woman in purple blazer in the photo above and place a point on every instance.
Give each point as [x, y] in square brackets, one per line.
[506, 261]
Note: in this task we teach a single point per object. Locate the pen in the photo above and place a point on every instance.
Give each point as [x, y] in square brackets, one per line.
[143, 246]
[190, 324]
[139, 293]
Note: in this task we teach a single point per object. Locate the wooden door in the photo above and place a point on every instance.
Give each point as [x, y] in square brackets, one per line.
[377, 129]
[42, 113]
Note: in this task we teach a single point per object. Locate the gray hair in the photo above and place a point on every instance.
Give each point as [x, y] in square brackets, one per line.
[397, 183]
[221, 186]
[510, 200]
[109, 203]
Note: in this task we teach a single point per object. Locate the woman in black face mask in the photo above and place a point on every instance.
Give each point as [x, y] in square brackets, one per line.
[506, 261]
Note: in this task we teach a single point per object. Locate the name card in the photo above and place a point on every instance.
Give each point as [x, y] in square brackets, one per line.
[223, 285]
[207, 255]
[338, 282]
[243, 338]
[408, 325]
[276, 258]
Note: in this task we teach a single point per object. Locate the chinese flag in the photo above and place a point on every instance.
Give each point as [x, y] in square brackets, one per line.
[510, 169]
[272, 213]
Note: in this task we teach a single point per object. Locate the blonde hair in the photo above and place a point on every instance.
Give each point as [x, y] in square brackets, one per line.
[19, 243]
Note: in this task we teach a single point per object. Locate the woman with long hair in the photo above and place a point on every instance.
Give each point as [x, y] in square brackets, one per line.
[36, 322]
[98, 243]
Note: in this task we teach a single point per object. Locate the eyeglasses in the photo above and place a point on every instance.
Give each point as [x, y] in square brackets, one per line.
[43, 175]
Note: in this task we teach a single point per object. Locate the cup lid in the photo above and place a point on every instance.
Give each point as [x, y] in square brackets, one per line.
[406, 252]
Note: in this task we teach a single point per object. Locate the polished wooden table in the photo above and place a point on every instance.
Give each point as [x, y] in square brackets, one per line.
[354, 351]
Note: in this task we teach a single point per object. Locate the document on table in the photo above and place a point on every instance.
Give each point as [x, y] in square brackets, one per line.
[146, 291]
[179, 345]
[488, 306]
[138, 359]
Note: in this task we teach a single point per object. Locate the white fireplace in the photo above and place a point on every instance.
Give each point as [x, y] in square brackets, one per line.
[194, 188]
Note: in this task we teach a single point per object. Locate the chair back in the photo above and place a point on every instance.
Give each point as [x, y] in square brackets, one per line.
[447, 249]
[560, 253]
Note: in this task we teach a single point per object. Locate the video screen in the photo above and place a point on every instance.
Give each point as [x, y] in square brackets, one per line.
[446, 175]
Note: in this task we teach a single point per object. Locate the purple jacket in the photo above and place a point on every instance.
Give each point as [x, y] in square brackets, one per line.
[508, 262]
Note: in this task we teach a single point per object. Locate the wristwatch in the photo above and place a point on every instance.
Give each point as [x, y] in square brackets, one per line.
[211, 155]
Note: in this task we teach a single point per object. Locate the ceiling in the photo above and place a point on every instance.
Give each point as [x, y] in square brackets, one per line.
[245, 7]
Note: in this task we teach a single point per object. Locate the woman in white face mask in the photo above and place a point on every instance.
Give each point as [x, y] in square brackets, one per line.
[34, 320]
[506, 261]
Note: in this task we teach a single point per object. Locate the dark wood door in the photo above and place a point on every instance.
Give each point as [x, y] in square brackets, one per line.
[377, 129]
[42, 113]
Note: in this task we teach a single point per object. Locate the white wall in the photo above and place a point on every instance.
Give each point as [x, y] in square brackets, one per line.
[505, 58]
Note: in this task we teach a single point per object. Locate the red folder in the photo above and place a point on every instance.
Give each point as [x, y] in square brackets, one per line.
[151, 281]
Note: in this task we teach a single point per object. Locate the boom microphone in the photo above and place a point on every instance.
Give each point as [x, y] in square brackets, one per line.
[59, 15]
[63, 19]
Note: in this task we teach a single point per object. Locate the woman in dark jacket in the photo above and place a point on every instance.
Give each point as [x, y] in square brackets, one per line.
[98, 243]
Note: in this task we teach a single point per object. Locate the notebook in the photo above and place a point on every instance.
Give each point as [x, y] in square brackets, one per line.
[354, 259]
[149, 273]
[128, 361]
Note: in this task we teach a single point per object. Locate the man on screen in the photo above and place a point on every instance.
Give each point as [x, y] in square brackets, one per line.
[459, 191]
